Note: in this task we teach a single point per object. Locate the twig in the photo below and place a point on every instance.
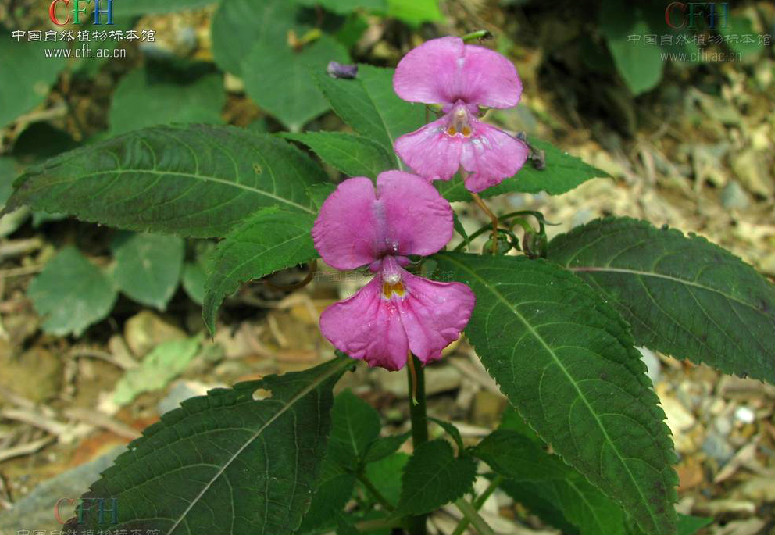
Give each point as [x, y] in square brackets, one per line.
[21, 271]
[19, 247]
[121, 361]
[24, 449]
[104, 421]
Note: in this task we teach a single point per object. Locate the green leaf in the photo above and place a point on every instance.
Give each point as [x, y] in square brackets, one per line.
[278, 79]
[225, 463]
[562, 173]
[345, 7]
[682, 295]
[639, 63]
[198, 181]
[7, 176]
[415, 11]
[239, 24]
[369, 104]
[548, 486]
[386, 475]
[27, 74]
[450, 429]
[269, 241]
[741, 26]
[355, 424]
[71, 293]
[165, 362]
[565, 360]
[352, 155]
[689, 525]
[142, 99]
[334, 489]
[193, 279]
[148, 267]
[149, 7]
[384, 446]
[434, 476]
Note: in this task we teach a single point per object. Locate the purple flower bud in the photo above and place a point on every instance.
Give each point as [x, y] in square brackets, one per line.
[340, 70]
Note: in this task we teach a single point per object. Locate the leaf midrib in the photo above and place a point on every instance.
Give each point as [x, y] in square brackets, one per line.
[297, 397]
[558, 362]
[635, 272]
[203, 178]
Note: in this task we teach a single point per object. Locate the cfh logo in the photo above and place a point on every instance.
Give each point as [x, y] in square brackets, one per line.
[79, 7]
[84, 507]
[697, 15]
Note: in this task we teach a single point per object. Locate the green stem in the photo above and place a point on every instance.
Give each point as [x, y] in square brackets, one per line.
[418, 525]
[478, 503]
[472, 515]
[375, 493]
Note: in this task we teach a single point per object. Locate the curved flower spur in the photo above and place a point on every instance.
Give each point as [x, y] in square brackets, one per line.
[396, 312]
[460, 78]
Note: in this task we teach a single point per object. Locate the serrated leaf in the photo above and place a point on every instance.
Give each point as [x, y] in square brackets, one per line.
[386, 475]
[355, 425]
[334, 489]
[566, 361]
[385, 446]
[27, 74]
[279, 79]
[434, 476]
[148, 267]
[71, 293]
[682, 295]
[450, 429]
[548, 486]
[143, 99]
[165, 362]
[269, 241]
[562, 173]
[345, 7]
[639, 63]
[369, 104]
[148, 7]
[352, 155]
[239, 24]
[198, 180]
[225, 463]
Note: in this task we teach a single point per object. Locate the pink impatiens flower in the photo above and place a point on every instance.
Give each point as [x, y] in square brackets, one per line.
[461, 78]
[396, 312]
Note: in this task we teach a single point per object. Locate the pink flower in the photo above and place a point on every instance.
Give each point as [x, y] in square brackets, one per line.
[461, 78]
[396, 312]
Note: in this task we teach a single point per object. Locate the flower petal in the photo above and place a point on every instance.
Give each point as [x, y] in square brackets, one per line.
[430, 152]
[434, 314]
[368, 327]
[489, 79]
[429, 73]
[491, 155]
[346, 232]
[418, 218]
[445, 70]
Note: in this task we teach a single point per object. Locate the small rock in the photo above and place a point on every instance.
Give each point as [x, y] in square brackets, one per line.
[759, 489]
[146, 330]
[678, 418]
[35, 374]
[716, 447]
[653, 366]
[745, 415]
[723, 425]
[749, 168]
[181, 391]
[733, 197]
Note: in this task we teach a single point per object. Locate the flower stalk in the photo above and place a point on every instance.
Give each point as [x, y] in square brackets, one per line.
[417, 525]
